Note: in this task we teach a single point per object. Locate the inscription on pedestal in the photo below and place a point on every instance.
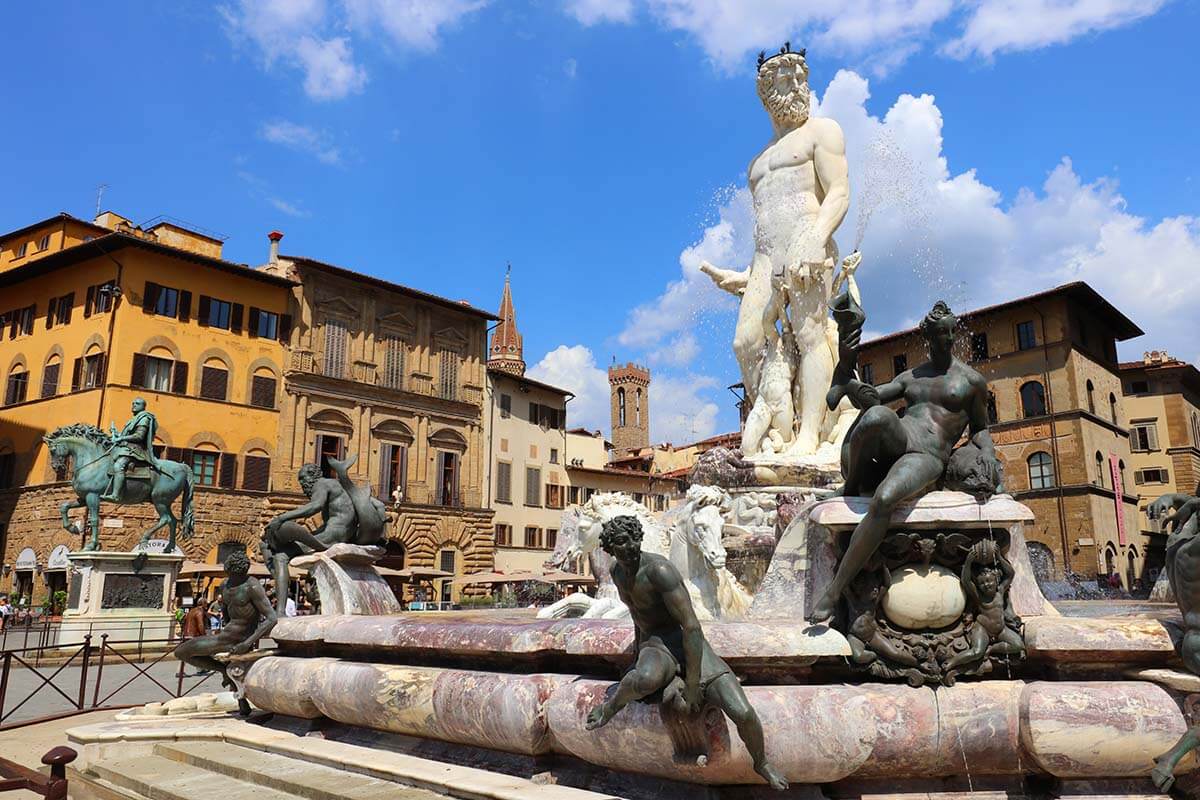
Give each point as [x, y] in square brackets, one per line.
[132, 591]
[75, 590]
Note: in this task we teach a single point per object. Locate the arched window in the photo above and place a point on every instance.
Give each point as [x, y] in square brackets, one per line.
[1110, 560]
[1091, 396]
[1124, 477]
[18, 385]
[637, 404]
[1112, 406]
[1033, 399]
[992, 416]
[50, 375]
[621, 407]
[1041, 471]
[1099, 468]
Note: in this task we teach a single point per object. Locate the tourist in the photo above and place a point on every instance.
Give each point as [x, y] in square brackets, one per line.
[195, 622]
[5, 612]
[290, 607]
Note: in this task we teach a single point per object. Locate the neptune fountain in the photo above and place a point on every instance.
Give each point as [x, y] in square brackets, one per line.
[894, 641]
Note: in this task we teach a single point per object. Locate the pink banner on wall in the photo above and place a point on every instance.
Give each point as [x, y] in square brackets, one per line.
[1114, 466]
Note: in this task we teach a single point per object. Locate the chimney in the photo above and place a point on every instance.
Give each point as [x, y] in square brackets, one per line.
[274, 236]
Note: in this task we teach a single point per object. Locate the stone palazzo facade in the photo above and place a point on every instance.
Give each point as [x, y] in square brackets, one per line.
[395, 377]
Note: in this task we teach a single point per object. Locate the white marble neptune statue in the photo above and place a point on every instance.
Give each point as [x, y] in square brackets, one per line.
[801, 190]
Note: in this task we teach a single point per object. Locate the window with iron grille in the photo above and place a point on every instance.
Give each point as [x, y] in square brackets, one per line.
[335, 348]
[393, 363]
[447, 561]
[214, 383]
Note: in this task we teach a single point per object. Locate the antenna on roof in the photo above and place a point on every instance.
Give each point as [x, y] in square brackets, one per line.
[100, 196]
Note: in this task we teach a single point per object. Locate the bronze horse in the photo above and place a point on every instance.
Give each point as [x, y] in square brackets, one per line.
[88, 448]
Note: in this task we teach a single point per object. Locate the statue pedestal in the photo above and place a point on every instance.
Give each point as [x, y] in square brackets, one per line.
[805, 558]
[128, 596]
[347, 581]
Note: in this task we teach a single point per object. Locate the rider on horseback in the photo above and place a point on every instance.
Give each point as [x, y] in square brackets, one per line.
[134, 444]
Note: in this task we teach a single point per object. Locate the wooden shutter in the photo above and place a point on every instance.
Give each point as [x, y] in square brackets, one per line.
[285, 327]
[227, 479]
[50, 380]
[214, 383]
[50, 313]
[205, 310]
[137, 376]
[1152, 437]
[185, 306]
[256, 473]
[252, 328]
[175, 454]
[89, 301]
[76, 373]
[150, 297]
[262, 391]
[235, 318]
[385, 472]
[101, 369]
[65, 304]
[27, 323]
[179, 379]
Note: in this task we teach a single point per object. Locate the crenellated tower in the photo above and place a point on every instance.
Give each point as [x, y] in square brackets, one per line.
[629, 386]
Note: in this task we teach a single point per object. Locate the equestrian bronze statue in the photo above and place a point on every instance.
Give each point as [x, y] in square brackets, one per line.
[122, 468]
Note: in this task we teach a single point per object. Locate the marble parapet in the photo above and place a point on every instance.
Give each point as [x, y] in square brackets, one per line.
[814, 733]
[932, 508]
[753, 648]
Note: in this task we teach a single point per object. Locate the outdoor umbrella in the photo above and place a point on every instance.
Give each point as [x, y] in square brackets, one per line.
[558, 576]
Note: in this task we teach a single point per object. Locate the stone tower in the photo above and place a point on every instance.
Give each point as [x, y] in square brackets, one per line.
[507, 352]
[629, 386]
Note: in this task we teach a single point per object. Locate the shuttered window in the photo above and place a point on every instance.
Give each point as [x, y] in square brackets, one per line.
[448, 374]
[50, 379]
[262, 391]
[335, 348]
[393, 467]
[1143, 437]
[533, 486]
[227, 477]
[393, 363]
[256, 473]
[263, 324]
[18, 385]
[503, 535]
[214, 383]
[204, 467]
[150, 372]
[503, 482]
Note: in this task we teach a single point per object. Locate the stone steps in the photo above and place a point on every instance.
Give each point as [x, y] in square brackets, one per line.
[160, 778]
[290, 776]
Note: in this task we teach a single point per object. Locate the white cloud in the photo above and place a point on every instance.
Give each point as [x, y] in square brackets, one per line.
[680, 409]
[302, 139]
[996, 26]
[574, 368]
[287, 208]
[590, 12]
[310, 35]
[728, 243]
[883, 32]
[329, 69]
[678, 352]
[411, 24]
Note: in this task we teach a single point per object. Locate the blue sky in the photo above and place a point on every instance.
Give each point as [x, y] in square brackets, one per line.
[598, 146]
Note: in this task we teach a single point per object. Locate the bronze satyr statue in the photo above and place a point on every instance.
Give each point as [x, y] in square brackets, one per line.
[671, 644]
[1183, 573]
[891, 457]
[248, 617]
[348, 515]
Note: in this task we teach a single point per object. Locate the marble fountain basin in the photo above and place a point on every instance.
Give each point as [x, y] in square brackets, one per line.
[514, 684]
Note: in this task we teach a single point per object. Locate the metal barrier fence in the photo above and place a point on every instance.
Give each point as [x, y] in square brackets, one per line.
[14, 776]
[45, 634]
[88, 660]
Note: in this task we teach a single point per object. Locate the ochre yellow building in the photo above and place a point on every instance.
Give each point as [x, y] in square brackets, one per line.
[96, 314]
